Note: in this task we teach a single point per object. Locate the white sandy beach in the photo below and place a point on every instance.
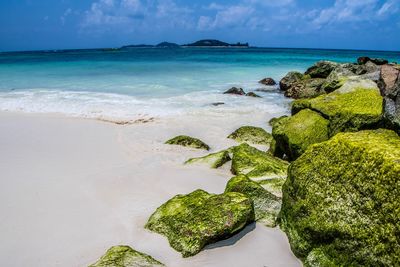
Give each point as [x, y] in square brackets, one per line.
[71, 188]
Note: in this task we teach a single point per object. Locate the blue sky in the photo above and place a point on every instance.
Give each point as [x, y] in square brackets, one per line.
[51, 24]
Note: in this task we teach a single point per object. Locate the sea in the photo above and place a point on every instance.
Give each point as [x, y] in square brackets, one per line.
[142, 83]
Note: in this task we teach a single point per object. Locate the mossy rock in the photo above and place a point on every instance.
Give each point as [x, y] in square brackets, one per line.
[341, 201]
[266, 205]
[192, 221]
[349, 108]
[124, 256]
[321, 69]
[272, 121]
[255, 163]
[295, 134]
[252, 135]
[274, 186]
[291, 78]
[307, 88]
[214, 160]
[188, 141]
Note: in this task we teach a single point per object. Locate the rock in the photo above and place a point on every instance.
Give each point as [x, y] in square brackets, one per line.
[235, 91]
[268, 81]
[193, 221]
[306, 88]
[124, 256]
[274, 186]
[266, 205]
[290, 79]
[216, 104]
[321, 69]
[272, 121]
[214, 160]
[337, 78]
[392, 113]
[389, 83]
[252, 94]
[188, 141]
[341, 204]
[355, 106]
[295, 134]
[377, 61]
[363, 60]
[252, 135]
[254, 163]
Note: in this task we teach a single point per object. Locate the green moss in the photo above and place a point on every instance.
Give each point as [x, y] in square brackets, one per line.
[188, 141]
[215, 160]
[272, 121]
[342, 198]
[124, 256]
[274, 186]
[192, 221]
[254, 163]
[295, 134]
[252, 135]
[333, 83]
[266, 205]
[347, 109]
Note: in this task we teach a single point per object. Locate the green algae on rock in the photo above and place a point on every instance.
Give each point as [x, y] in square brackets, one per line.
[252, 135]
[124, 256]
[321, 69]
[266, 205]
[192, 221]
[341, 204]
[188, 141]
[290, 78]
[215, 160]
[350, 108]
[274, 186]
[306, 88]
[254, 163]
[295, 134]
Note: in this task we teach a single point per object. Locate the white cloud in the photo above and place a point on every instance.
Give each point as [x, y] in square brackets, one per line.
[230, 17]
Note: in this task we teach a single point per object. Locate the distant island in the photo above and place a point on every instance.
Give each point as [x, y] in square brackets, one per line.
[201, 43]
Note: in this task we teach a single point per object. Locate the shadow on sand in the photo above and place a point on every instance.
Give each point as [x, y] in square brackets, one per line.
[232, 240]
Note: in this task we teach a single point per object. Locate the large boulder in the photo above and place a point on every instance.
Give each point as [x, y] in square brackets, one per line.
[124, 256]
[187, 141]
[214, 160]
[355, 106]
[293, 135]
[321, 69]
[306, 88]
[192, 221]
[266, 205]
[255, 163]
[341, 204]
[290, 78]
[251, 135]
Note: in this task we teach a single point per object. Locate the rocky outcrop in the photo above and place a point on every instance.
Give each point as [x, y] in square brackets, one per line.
[306, 88]
[235, 91]
[254, 163]
[290, 79]
[321, 69]
[251, 135]
[266, 205]
[187, 141]
[124, 256]
[355, 106]
[214, 160]
[192, 221]
[268, 81]
[293, 135]
[341, 204]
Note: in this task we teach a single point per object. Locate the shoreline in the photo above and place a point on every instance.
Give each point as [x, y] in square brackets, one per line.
[74, 187]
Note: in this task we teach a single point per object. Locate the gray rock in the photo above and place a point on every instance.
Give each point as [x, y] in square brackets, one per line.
[321, 69]
[268, 81]
[235, 91]
[290, 78]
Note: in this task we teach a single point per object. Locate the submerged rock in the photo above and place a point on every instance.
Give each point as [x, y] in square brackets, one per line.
[254, 163]
[290, 78]
[341, 204]
[306, 88]
[252, 94]
[124, 256]
[321, 69]
[266, 205]
[293, 135]
[214, 160]
[268, 81]
[188, 141]
[252, 135]
[235, 91]
[216, 104]
[355, 106]
[192, 221]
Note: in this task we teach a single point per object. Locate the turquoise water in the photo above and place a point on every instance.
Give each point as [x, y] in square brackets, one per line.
[150, 82]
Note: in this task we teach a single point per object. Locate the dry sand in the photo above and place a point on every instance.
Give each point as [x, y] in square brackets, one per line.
[71, 188]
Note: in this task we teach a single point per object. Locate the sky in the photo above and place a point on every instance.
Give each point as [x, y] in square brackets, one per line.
[66, 24]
